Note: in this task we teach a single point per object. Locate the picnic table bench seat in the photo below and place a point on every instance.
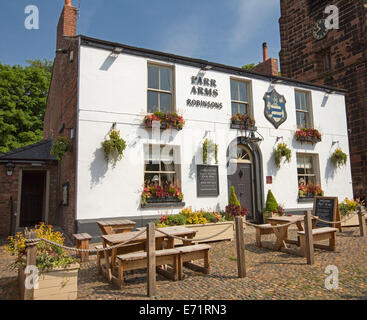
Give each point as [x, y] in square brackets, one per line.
[319, 234]
[82, 242]
[263, 229]
[138, 260]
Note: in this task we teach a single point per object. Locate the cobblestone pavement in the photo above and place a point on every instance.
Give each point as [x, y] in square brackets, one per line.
[270, 275]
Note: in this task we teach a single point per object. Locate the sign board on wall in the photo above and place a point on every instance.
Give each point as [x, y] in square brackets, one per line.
[207, 181]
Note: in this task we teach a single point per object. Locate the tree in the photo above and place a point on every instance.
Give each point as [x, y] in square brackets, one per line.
[23, 95]
[271, 203]
[248, 66]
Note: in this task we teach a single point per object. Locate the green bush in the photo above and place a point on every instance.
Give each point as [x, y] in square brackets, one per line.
[233, 198]
[210, 217]
[271, 203]
[176, 220]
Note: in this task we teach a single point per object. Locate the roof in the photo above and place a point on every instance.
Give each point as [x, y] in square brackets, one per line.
[39, 151]
[153, 54]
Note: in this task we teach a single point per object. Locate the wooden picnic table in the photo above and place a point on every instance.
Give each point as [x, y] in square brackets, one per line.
[282, 233]
[115, 226]
[139, 243]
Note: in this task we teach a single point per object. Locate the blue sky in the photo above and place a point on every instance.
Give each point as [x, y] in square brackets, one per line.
[229, 32]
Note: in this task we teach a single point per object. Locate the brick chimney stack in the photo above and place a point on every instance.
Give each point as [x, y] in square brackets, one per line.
[67, 23]
[269, 66]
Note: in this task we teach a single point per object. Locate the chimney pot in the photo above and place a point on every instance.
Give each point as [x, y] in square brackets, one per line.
[265, 51]
[68, 3]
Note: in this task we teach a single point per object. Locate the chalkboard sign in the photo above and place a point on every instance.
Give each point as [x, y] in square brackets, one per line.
[207, 181]
[326, 209]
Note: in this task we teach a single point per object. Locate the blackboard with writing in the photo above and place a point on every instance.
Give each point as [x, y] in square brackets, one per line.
[325, 209]
[207, 181]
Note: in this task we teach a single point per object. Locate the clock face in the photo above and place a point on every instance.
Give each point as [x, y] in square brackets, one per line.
[319, 30]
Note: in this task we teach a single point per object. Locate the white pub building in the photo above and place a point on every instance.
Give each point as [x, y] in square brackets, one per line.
[165, 107]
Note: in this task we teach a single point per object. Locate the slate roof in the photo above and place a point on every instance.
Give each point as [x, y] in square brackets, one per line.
[39, 151]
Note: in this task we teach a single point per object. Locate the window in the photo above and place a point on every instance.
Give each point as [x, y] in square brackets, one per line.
[239, 97]
[307, 169]
[159, 89]
[303, 109]
[326, 60]
[161, 165]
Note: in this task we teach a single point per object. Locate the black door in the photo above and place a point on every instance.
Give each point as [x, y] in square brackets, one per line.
[242, 182]
[32, 201]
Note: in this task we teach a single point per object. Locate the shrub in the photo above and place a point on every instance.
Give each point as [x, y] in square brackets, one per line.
[211, 217]
[349, 206]
[48, 256]
[233, 198]
[178, 220]
[271, 203]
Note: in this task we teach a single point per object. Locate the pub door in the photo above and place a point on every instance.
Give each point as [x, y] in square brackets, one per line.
[241, 179]
[32, 204]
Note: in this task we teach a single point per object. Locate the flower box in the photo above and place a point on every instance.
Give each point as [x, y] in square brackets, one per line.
[167, 121]
[312, 140]
[209, 229]
[352, 222]
[56, 284]
[305, 135]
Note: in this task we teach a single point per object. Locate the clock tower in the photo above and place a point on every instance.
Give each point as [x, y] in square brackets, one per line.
[335, 57]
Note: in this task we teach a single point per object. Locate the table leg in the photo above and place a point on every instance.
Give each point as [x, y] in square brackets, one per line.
[281, 237]
[189, 238]
[107, 261]
[113, 259]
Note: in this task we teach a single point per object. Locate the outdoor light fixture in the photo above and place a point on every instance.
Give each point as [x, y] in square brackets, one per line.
[116, 51]
[207, 67]
[9, 169]
[62, 51]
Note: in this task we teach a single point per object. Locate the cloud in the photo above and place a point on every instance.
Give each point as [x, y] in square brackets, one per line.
[251, 15]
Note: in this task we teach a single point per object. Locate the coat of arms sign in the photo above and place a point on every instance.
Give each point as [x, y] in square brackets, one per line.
[275, 108]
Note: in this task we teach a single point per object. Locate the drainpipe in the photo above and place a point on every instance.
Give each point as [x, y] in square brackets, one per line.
[13, 216]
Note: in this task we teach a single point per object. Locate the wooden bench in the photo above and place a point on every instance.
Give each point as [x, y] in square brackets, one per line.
[138, 260]
[263, 229]
[82, 242]
[191, 253]
[319, 234]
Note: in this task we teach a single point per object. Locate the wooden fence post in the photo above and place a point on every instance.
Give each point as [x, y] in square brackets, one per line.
[362, 223]
[31, 261]
[240, 245]
[151, 268]
[309, 239]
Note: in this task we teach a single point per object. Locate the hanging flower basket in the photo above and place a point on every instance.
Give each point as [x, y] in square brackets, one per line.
[339, 158]
[114, 146]
[211, 147]
[60, 147]
[282, 151]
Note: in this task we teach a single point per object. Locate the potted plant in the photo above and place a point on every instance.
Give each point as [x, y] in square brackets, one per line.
[306, 135]
[114, 146]
[349, 207]
[169, 120]
[210, 147]
[57, 271]
[60, 147]
[339, 158]
[282, 151]
[234, 208]
[236, 119]
[158, 194]
[271, 207]
[310, 191]
[247, 122]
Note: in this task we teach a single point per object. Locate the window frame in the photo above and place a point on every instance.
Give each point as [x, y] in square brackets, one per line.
[315, 167]
[248, 84]
[173, 85]
[176, 162]
[308, 112]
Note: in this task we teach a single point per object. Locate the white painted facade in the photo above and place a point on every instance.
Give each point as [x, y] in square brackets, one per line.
[115, 90]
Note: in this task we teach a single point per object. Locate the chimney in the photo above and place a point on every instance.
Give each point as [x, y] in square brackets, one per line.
[67, 23]
[265, 51]
[269, 66]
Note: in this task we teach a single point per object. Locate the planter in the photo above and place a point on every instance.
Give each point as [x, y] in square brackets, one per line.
[55, 284]
[209, 229]
[312, 140]
[353, 222]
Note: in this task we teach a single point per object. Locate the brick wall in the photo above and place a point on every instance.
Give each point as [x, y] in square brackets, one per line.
[269, 67]
[61, 111]
[301, 58]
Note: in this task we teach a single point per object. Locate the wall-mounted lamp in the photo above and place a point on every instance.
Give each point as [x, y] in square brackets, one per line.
[62, 51]
[278, 138]
[116, 51]
[9, 169]
[335, 142]
[71, 133]
[206, 67]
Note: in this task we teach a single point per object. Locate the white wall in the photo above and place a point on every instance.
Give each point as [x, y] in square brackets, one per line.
[115, 90]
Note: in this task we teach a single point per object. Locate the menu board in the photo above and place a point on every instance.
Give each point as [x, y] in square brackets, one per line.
[325, 208]
[207, 181]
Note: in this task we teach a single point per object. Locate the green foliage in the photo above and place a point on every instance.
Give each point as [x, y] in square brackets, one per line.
[23, 95]
[271, 203]
[115, 146]
[211, 217]
[61, 146]
[233, 198]
[176, 220]
[281, 151]
[248, 66]
[339, 158]
[209, 145]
